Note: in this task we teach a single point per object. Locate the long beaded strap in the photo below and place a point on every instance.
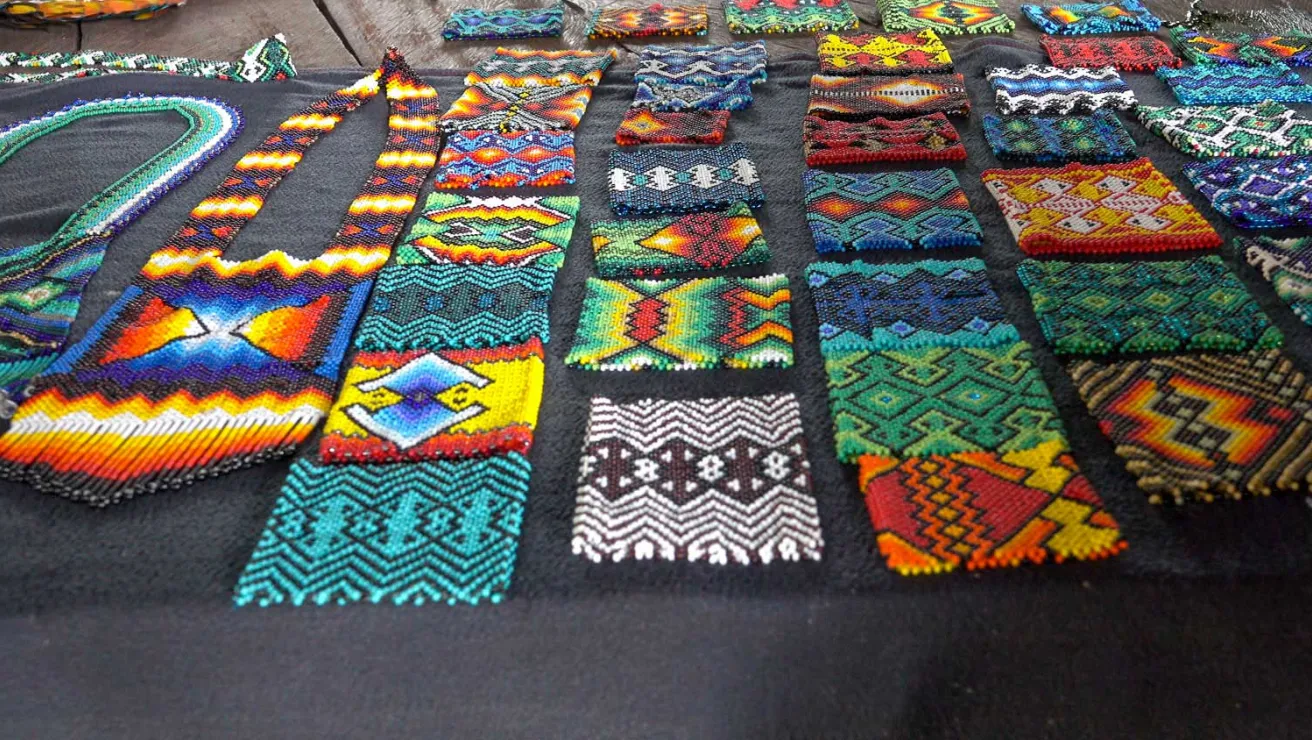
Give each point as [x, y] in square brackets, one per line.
[268, 59]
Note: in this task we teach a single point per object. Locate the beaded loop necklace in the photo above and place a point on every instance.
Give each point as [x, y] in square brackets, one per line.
[206, 365]
[268, 60]
[41, 284]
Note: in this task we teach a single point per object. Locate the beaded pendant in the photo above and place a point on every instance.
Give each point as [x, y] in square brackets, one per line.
[1257, 193]
[617, 22]
[944, 16]
[716, 65]
[1138, 53]
[788, 16]
[1262, 130]
[268, 60]
[1232, 84]
[41, 284]
[1037, 89]
[888, 210]
[914, 52]
[467, 24]
[649, 181]
[541, 68]
[206, 365]
[1123, 16]
[1098, 137]
[861, 98]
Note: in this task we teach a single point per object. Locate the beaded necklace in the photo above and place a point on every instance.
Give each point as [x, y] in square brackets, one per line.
[206, 365]
[267, 60]
[41, 284]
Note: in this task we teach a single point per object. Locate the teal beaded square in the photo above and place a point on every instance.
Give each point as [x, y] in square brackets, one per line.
[1095, 308]
[395, 533]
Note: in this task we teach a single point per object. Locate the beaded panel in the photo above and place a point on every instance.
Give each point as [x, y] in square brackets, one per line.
[1138, 53]
[538, 67]
[1038, 89]
[1287, 263]
[427, 405]
[696, 241]
[1257, 193]
[664, 96]
[788, 16]
[500, 108]
[717, 480]
[617, 22]
[1103, 307]
[888, 210]
[1199, 427]
[649, 181]
[913, 52]
[1231, 84]
[648, 126]
[703, 65]
[409, 534]
[1076, 19]
[1292, 49]
[467, 24]
[937, 513]
[930, 137]
[469, 230]
[861, 98]
[729, 322]
[1098, 137]
[1262, 130]
[862, 306]
[1219, 48]
[944, 16]
[1097, 209]
[474, 159]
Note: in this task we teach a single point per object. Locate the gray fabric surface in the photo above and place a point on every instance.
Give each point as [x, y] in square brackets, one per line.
[148, 582]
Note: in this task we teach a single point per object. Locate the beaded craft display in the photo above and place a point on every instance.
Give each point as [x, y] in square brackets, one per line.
[41, 284]
[435, 404]
[500, 108]
[469, 230]
[436, 532]
[648, 181]
[1138, 53]
[1077, 19]
[944, 16]
[861, 98]
[1287, 263]
[616, 22]
[1219, 48]
[696, 241]
[514, 159]
[1104, 307]
[1257, 193]
[1199, 427]
[939, 401]
[717, 480]
[1038, 89]
[703, 65]
[206, 365]
[1232, 84]
[268, 60]
[930, 137]
[649, 126]
[788, 16]
[862, 306]
[913, 52]
[539, 67]
[456, 306]
[1097, 137]
[1262, 130]
[1097, 209]
[888, 210]
[662, 96]
[937, 513]
[728, 322]
[469, 24]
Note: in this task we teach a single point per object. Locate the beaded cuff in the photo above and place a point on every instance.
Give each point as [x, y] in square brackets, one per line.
[914, 52]
[939, 401]
[1257, 193]
[667, 97]
[649, 181]
[468, 24]
[930, 137]
[537, 67]
[719, 480]
[888, 210]
[944, 16]
[499, 108]
[1231, 84]
[862, 98]
[1294, 50]
[1037, 89]
[1097, 209]
[1098, 137]
[456, 307]
[654, 20]
[1139, 53]
[428, 405]
[1123, 16]
[729, 322]
[898, 306]
[468, 230]
[1205, 426]
[788, 16]
[390, 534]
[696, 241]
[985, 510]
[1219, 48]
[268, 60]
[474, 159]
[703, 65]
[648, 126]
[1287, 263]
[1197, 305]
[1262, 130]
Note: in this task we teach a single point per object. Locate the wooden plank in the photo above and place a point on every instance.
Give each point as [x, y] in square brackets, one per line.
[62, 37]
[211, 30]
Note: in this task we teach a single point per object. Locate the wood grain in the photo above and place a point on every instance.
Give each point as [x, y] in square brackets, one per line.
[52, 38]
